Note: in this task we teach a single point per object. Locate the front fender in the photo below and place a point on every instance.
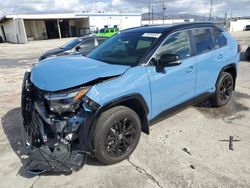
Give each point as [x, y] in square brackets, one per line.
[133, 81]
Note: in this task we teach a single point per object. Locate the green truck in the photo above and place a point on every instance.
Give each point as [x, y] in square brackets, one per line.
[107, 32]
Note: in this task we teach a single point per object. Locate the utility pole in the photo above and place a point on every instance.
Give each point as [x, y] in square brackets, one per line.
[149, 12]
[152, 14]
[163, 11]
[211, 8]
[226, 21]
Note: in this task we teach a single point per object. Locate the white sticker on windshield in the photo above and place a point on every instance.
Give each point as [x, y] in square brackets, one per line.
[155, 35]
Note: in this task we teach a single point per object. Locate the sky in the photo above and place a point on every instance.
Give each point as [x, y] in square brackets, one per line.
[199, 7]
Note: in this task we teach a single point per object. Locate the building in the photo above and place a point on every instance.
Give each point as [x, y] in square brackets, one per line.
[238, 24]
[25, 27]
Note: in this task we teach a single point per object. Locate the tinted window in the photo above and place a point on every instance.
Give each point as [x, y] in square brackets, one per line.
[219, 39]
[177, 43]
[87, 44]
[125, 48]
[143, 44]
[203, 40]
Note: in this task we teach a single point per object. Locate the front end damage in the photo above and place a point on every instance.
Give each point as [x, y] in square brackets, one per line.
[56, 139]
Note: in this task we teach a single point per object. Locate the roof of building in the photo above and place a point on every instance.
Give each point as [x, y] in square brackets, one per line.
[63, 15]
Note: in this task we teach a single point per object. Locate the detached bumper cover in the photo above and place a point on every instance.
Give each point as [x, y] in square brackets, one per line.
[62, 159]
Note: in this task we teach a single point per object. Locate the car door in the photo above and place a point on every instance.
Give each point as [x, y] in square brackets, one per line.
[206, 57]
[175, 84]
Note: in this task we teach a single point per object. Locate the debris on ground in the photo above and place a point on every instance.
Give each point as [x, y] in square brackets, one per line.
[231, 140]
[186, 150]
[192, 166]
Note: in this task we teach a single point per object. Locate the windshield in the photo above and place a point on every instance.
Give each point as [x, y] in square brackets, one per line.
[72, 43]
[125, 48]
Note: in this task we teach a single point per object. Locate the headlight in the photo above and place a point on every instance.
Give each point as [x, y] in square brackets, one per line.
[67, 101]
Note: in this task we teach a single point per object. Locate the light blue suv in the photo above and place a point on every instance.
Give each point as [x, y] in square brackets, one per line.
[98, 105]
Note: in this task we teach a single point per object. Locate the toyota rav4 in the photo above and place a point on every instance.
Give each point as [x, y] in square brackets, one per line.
[98, 105]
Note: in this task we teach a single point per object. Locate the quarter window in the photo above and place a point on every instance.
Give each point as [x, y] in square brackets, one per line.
[178, 44]
[219, 39]
[203, 40]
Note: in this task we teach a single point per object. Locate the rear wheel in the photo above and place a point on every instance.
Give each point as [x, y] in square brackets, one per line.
[224, 89]
[117, 134]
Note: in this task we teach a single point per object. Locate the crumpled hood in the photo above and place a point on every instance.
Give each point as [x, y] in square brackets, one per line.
[69, 71]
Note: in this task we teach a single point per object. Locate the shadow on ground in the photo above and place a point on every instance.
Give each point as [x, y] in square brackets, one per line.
[12, 122]
[231, 108]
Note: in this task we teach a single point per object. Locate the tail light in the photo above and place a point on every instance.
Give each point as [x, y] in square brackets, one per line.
[239, 48]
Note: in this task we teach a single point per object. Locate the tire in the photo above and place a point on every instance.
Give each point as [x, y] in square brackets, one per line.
[117, 134]
[247, 54]
[224, 89]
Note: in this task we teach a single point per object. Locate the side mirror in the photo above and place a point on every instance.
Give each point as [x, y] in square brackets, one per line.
[78, 48]
[167, 60]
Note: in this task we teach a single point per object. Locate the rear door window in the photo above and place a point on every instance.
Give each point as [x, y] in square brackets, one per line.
[203, 40]
[219, 39]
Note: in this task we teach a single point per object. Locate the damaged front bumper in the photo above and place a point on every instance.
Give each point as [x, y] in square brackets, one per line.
[58, 143]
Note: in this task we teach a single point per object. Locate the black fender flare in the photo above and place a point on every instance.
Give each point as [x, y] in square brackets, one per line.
[232, 65]
[121, 101]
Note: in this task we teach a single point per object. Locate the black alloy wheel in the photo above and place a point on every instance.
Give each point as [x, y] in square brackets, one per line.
[117, 134]
[120, 137]
[224, 90]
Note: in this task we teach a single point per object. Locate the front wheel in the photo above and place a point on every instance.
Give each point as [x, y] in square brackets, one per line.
[224, 89]
[117, 134]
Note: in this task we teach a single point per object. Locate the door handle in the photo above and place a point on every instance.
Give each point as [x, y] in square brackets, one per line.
[190, 69]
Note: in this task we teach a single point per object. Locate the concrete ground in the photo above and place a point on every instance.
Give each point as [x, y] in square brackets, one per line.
[159, 160]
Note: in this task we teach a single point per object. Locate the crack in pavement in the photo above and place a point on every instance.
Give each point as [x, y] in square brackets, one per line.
[32, 185]
[142, 170]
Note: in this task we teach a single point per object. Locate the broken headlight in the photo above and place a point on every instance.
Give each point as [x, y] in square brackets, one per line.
[66, 101]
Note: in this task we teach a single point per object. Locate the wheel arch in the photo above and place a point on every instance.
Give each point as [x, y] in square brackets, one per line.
[134, 101]
[230, 68]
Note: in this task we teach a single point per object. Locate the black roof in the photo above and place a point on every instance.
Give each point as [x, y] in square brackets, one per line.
[168, 28]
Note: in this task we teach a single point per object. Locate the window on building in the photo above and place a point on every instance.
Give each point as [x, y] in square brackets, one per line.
[203, 40]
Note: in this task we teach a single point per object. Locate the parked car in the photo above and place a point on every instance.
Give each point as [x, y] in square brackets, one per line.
[81, 45]
[107, 32]
[246, 28]
[247, 53]
[98, 105]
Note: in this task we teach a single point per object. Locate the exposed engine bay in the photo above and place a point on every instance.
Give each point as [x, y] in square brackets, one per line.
[52, 124]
